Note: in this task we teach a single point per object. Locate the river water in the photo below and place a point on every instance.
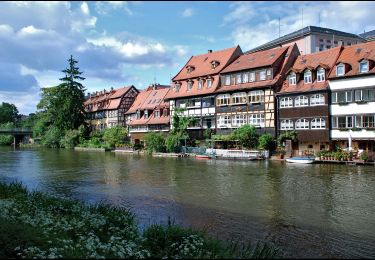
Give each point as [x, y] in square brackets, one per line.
[308, 211]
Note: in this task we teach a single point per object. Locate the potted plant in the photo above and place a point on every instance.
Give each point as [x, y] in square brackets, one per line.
[364, 156]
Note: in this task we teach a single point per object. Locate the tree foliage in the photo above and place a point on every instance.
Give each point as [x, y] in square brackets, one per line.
[155, 142]
[6, 139]
[8, 113]
[287, 135]
[247, 136]
[115, 136]
[266, 142]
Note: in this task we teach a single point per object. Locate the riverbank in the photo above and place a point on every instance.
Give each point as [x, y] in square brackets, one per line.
[37, 225]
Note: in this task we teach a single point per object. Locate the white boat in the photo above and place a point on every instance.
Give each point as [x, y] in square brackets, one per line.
[301, 160]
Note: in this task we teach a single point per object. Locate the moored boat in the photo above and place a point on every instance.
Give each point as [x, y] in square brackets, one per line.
[304, 160]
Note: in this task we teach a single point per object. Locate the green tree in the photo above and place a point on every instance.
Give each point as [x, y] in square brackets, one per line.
[155, 142]
[247, 136]
[266, 142]
[53, 137]
[115, 136]
[287, 135]
[8, 113]
[6, 139]
[63, 104]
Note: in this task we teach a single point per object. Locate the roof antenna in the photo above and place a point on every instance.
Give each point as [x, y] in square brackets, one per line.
[279, 27]
[319, 18]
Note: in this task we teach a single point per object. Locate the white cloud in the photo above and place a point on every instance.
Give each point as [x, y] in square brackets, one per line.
[105, 7]
[188, 12]
[85, 8]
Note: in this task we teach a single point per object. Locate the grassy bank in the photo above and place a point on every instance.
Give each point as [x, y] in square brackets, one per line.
[34, 224]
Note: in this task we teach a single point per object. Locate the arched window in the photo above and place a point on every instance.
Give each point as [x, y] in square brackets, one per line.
[223, 100]
[321, 74]
[292, 78]
[301, 101]
[318, 123]
[302, 124]
[317, 99]
[307, 76]
[286, 124]
[286, 102]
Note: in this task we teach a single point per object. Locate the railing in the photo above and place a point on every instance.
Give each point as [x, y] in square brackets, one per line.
[15, 130]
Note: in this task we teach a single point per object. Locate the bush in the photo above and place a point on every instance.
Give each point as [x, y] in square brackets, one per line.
[247, 136]
[115, 136]
[155, 142]
[266, 142]
[70, 139]
[364, 156]
[52, 137]
[172, 143]
[6, 139]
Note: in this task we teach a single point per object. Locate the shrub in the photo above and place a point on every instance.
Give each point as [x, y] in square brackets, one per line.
[70, 139]
[155, 142]
[115, 135]
[172, 143]
[247, 136]
[266, 142]
[52, 137]
[6, 139]
[364, 156]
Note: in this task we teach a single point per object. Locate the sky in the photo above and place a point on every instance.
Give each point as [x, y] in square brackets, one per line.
[123, 43]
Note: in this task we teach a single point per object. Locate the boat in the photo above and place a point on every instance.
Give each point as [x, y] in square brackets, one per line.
[304, 160]
[202, 156]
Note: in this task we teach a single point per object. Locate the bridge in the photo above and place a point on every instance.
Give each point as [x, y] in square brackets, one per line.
[18, 133]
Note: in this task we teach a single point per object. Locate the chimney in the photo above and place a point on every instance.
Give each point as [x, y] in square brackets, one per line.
[209, 51]
[111, 89]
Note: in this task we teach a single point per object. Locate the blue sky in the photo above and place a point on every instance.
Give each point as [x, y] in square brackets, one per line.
[134, 43]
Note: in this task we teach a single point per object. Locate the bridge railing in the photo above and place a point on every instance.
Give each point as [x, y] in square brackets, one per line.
[15, 130]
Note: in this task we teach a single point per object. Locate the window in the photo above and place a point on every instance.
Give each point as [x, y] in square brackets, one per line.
[177, 85]
[209, 101]
[238, 79]
[302, 124]
[342, 97]
[223, 100]
[343, 122]
[252, 76]
[209, 83]
[239, 120]
[328, 41]
[301, 101]
[307, 76]
[368, 121]
[189, 85]
[262, 75]
[328, 46]
[138, 114]
[317, 99]
[227, 80]
[165, 112]
[363, 66]
[245, 77]
[189, 69]
[364, 95]
[195, 102]
[269, 72]
[239, 98]
[292, 78]
[156, 113]
[145, 116]
[256, 120]
[321, 74]
[200, 84]
[256, 96]
[340, 70]
[214, 64]
[318, 123]
[286, 125]
[286, 102]
[224, 121]
[321, 47]
[348, 43]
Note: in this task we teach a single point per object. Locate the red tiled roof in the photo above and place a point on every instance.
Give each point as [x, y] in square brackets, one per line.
[139, 100]
[194, 90]
[155, 98]
[158, 120]
[256, 60]
[141, 121]
[302, 87]
[352, 55]
[202, 63]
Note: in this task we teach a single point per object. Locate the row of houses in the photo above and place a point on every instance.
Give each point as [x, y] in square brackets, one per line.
[327, 97]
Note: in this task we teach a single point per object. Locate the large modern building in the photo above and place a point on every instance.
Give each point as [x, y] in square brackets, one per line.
[246, 91]
[303, 101]
[312, 39]
[195, 84]
[105, 109]
[352, 83]
[148, 113]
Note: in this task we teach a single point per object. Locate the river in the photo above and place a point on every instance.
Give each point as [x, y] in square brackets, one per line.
[308, 211]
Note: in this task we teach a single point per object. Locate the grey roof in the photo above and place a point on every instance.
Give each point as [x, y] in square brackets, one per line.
[368, 35]
[300, 33]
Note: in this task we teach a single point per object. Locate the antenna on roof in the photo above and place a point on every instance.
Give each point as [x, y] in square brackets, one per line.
[279, 27]
[319, 19]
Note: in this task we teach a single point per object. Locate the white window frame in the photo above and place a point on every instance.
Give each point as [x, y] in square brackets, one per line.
[200, 84]
[292, 78]
[320, 75]
[177, 87]
[318, 123]
[262, 74]
[241, 96]
[302, 124]
[252, 76]
[224, 121]
[256, 120]
[238, 78]
[256, 96]
[338, 67]
[223, 100]
[245, 77]
[307, 77]
[364, 62]
[209, 83]
[301, 101]
[317, 100]
[286, 124]
[286, 102]
[227, 80]
[238, 120]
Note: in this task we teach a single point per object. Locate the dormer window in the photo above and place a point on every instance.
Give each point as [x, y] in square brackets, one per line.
[307, 76]
[239, 78]
[363, 66]
[209, 83]
[200, 84]
[227, 80]
[321, 74]
[189, 85]
[214, 64]
[177, 86]
[340, 70]
[189, 69]
[156, 113]
[145, 114]
[292, 78]
[262, 75]
[138, 114]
